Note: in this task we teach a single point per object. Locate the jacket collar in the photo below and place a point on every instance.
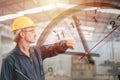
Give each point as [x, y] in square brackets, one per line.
[18, 51]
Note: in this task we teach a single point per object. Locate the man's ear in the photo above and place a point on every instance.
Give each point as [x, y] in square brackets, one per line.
[22, 35]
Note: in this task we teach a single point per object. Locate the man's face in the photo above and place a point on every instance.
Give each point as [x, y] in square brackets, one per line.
[30, 35]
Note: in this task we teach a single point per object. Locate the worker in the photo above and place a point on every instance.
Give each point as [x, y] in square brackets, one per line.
[25, 62]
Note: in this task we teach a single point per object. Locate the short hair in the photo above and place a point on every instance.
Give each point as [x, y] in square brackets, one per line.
[17, 36]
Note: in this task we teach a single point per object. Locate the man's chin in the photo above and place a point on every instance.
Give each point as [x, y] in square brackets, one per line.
[33, 43]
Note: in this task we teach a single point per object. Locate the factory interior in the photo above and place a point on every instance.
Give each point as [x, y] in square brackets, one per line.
[93, 24]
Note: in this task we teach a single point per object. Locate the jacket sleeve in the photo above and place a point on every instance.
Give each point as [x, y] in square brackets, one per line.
[6, 70]
[53, 49]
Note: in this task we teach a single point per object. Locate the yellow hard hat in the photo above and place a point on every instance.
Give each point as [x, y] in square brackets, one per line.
[22, 22]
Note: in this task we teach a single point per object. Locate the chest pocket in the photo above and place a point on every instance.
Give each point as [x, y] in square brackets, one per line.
[19, 71]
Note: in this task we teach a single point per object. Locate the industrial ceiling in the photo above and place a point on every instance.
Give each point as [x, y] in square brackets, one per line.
[15, 6]
[100, 15]
[92, 13]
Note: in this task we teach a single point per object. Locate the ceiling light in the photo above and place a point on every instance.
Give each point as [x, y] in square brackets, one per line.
[46, 8]
[114, 11]
[67, 6]
[36, 10]
[9, 16]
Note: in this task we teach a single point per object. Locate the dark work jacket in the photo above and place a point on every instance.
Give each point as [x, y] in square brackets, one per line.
[17, 66]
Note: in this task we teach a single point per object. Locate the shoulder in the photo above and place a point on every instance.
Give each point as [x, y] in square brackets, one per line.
[10, 57]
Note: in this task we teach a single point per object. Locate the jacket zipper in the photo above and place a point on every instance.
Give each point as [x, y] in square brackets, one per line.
[33, 67]
[22, 74]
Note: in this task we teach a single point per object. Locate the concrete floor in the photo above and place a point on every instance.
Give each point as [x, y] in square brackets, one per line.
[58, 77]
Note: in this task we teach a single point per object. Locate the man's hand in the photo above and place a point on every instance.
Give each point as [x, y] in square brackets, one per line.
[70, 43]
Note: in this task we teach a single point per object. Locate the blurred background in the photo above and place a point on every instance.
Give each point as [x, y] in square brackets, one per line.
[93, 24]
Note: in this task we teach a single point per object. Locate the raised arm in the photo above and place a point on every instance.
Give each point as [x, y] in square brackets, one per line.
[57, 48]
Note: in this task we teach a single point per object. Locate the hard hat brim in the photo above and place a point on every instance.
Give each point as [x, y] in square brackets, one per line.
[34, 26]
